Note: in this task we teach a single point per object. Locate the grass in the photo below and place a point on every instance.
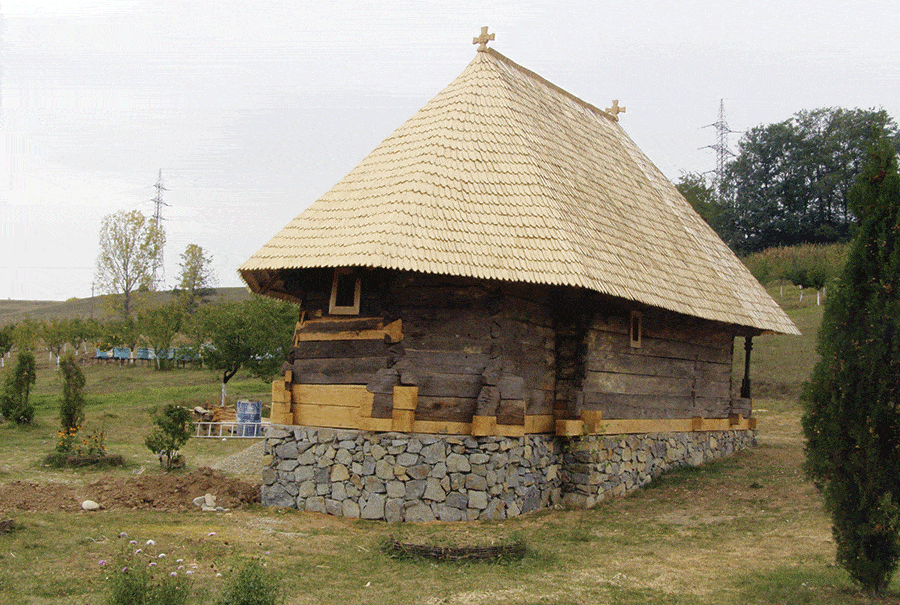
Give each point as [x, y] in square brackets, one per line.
[746, 530]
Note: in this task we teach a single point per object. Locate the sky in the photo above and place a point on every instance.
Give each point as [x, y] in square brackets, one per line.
[253, 110]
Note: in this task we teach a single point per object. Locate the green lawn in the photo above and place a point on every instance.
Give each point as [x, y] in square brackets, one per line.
[746, 530]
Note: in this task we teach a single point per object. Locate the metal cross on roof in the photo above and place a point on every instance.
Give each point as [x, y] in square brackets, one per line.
[615, 110]
[483, 39]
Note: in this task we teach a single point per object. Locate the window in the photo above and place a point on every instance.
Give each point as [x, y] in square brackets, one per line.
[345, 293]
[636, 329]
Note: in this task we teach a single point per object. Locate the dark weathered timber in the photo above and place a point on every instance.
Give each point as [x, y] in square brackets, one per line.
[540, 402]
[741, 406]
[511, 387]
[354, 370]
[448, 409]
[384, 381]
[444, 362]
[382, 405]
[488, 400]
[333, 325]
[618, 406]
[618, 343]
[328, 349]
[511, 412]
[462, 386]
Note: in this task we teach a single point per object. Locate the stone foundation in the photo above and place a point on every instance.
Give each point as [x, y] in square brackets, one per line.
[414, 477]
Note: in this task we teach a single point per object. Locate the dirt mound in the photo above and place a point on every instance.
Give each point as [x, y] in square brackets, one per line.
[169, 492]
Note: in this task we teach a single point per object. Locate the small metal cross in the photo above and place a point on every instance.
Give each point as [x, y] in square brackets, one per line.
[615, 110]
[483, 39]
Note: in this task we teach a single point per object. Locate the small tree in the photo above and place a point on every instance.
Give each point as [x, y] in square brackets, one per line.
[71, 407]
[173, 429]
[55, 334]
[196, 278]
[255, 334]
[7, 339]
[14, 404]
[159, 327]
[852, 415]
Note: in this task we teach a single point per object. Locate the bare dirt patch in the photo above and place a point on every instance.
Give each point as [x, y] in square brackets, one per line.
[167, 492]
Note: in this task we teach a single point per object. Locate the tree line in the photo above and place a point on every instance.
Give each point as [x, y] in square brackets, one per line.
[254, 335]
[789, 182]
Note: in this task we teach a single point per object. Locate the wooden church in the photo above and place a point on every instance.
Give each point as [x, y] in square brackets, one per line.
[507, 263]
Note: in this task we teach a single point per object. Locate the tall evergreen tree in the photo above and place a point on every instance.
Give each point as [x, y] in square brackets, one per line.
[852, 415]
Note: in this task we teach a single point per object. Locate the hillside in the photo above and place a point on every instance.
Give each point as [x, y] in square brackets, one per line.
[13, 311]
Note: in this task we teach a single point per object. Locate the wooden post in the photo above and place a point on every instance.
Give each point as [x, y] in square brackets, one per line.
[745, 384]
[403, 416]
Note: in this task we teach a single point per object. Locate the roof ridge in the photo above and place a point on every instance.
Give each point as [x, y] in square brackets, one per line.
[549, 84]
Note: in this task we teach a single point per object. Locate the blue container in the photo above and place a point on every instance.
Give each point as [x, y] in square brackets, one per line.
[249, 418]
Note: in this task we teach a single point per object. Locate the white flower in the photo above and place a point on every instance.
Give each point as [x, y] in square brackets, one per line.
[161, 555]
[151, 543]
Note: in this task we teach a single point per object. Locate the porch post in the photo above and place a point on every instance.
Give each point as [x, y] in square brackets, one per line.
[745, 384]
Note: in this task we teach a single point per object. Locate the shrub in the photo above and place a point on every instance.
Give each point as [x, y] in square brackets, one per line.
[173, 429]
[14, 403]
[252, 584]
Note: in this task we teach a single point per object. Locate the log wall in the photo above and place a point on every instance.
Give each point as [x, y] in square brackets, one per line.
[488, 354]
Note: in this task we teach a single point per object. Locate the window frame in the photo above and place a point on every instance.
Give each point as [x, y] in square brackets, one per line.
[333, 307]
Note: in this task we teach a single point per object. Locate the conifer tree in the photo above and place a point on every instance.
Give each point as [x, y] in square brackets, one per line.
[852, 415]
[14, 404]
[71, 407]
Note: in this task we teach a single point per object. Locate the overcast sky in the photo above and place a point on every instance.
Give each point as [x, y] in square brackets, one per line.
[252, 110]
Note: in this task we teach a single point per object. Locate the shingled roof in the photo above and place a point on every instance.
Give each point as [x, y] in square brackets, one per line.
[505, 176]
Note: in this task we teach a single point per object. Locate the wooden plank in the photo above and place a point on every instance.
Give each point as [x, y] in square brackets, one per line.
[621, 343]
[484, 426]
[540, 423]
[569, 428]
[449, 385]
[402, 420]
[382, 425]
[442, 428]
[382, 405]
[337, 367]
[592, 420]
[540, 402]
[445, 362]
[334, 395]
[337, 325]
[393, 331]
[280, 408]
[282, 418]
[330, 349]
[633, 384]
[451, 409]
[511, 412]
[510, 430]
[406, 398]
[279, 393]
[338, 417]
